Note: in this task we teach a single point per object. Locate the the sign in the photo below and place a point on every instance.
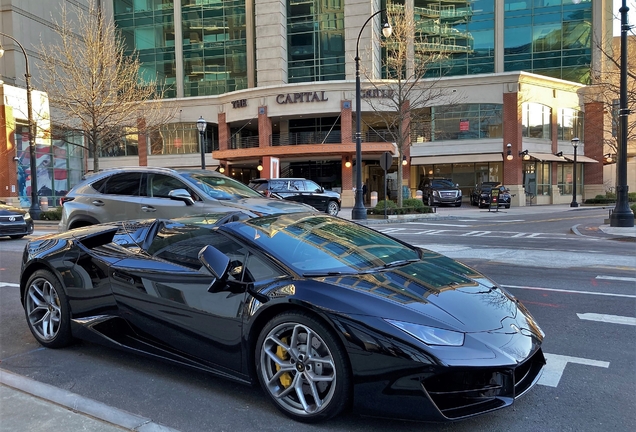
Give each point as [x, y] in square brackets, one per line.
[241, 103]
[386, 160]
[376, 93]
[289, 98]
[464, 125]
[494, 198]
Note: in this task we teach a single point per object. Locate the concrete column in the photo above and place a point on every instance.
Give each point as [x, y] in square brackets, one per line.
[271, 42]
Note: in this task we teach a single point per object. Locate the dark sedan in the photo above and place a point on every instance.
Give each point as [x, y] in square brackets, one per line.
[482, 194]
[323, 313]
[14, 221]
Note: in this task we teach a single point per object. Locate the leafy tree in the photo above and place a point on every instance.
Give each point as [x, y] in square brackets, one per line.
[93, 86]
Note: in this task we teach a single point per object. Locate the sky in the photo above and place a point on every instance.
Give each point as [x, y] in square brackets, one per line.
[631, 16]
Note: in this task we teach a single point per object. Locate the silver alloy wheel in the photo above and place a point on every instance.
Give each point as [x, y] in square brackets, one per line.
[332, 208]
[298, 369]
[43, 309]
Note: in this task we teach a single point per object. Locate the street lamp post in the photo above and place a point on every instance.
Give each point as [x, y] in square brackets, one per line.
[622, 216]
[359, 212]
[34, 210]
[575, 144]
[201, 125]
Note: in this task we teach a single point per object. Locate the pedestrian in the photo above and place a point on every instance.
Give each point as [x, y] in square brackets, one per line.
[364, 193]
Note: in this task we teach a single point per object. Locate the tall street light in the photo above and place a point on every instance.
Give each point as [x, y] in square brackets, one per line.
[201, 125]
[575, 144]
[35, 206]
[622, 216]
[359, 212]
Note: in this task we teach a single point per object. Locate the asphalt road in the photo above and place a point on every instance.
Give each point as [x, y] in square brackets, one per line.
[582, 290]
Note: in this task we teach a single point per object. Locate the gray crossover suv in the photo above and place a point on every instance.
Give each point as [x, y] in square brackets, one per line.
[148, 192]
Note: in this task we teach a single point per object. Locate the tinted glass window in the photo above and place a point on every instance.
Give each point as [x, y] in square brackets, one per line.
[161, 185]
[311, 186]
[310, 244]
[221, 187]
[120, 184]
[297, 185]
[443, 184]
[278, 186]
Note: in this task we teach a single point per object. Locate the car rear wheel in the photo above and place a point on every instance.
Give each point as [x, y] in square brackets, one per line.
[47, 310]
[332, 208]
[302, 368]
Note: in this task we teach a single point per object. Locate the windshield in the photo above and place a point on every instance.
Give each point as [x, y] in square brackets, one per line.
[442, 184]
[314, 245]
[222, 188]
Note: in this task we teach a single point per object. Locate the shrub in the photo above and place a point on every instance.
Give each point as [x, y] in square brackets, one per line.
[385, 203]
[412, 202]
[53, 214]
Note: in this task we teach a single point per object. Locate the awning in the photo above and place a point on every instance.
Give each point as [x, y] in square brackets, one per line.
[546, 157]
[581, 159]
[464, 158]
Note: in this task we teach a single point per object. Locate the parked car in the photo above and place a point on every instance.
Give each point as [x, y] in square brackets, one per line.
[142, 192]
[14, 221]
[299, 190]
[324, 313]
[438, 191]
[481, 195]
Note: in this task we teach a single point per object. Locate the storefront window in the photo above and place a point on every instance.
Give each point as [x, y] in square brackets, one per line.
[536, 121]
[537, 178]
[467, 175]
[564, 178]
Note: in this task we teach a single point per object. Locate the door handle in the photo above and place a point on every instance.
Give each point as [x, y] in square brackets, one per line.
[148, 209]
[98, 203]
[123, 278]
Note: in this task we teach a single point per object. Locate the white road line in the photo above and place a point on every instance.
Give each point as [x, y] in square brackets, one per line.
[571, 291]
[555, 365]
[617, 278]
[613, 319]
[442, 224]
[7, 284]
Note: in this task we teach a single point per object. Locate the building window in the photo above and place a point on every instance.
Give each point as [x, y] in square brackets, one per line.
[564, 177]
[467, 121]
[536, 121]
[537, 179]
[570, 124]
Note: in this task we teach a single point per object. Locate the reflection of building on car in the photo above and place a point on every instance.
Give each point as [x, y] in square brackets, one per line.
[299, 190]
[482, 195]
[142, 192]
[437, 191]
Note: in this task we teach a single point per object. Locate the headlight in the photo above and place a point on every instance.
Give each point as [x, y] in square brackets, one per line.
[430, 335]
[435, 193]
[460, 193]
[27, 216]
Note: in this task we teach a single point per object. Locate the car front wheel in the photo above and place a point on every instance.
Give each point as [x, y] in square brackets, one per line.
[332, 208]
[47, 310]
[302, 368]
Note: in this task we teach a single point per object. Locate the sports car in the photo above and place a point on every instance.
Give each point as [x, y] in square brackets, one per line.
[325, 314]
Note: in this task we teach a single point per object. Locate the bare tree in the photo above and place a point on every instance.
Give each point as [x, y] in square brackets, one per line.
[402, 102]
[93, 86]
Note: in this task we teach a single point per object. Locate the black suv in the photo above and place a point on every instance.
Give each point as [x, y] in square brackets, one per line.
[299, 190]
[480, 196]
[436, 191]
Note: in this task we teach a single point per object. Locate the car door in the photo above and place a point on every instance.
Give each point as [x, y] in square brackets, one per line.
[315, 196]
[118, 197]
[164, 294]
[156, 203]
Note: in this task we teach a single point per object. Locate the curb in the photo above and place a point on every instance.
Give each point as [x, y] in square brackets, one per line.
[80, 404]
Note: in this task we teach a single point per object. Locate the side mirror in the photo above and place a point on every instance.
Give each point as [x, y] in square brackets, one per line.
[217, 263]
[181, 195]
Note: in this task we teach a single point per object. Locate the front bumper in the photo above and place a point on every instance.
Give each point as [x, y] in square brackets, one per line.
[13, 228]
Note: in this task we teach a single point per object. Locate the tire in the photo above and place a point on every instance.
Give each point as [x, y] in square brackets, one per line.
[284, 369]
[16, 237]
[332, 208]
[47, 310]
[508, 206]
[458, 204]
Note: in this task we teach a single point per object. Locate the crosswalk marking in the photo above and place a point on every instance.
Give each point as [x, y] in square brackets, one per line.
[476, 233]
[613, 319]
[617, 278]
[555, 365]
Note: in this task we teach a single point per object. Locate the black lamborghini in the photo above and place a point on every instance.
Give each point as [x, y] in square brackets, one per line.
[324, 313]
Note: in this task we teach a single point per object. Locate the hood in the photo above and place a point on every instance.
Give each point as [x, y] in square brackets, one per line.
[268, 206]
[440, 295]
[7, 210]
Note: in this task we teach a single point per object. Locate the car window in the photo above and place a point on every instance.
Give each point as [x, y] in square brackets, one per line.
[259, 186]
[221, 187]
[297, 185]
[278, 186]
[119, 184]
[443, 183]
[161, 185]
[311, 186]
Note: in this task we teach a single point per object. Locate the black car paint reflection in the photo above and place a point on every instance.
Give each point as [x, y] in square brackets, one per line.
[143, 287]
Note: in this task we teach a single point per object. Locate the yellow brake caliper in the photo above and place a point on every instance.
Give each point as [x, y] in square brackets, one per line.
[281, 353]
